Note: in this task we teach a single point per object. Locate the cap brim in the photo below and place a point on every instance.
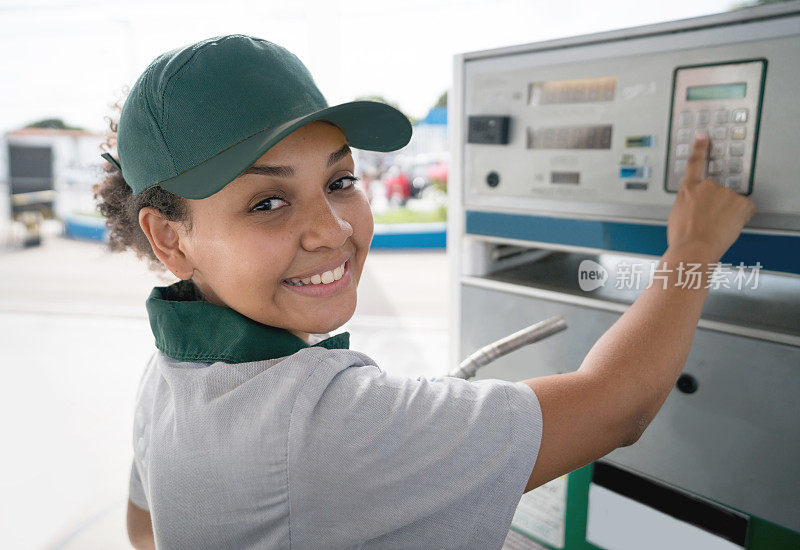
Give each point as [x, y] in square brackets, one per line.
[368, 125]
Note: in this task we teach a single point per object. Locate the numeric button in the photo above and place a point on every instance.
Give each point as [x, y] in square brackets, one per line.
[703, 117]
[682, 151]
[735, 166]
[738, 132]
[717, 150]
[720, 132]
[740, 115]
[683, 135]
[734, 183]
[686, 118]
[722, 116]
[736, 149]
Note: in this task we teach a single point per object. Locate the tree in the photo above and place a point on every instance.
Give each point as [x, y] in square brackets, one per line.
[53, 123]
[442, 101]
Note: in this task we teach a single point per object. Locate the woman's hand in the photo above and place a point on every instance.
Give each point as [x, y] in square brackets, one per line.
[705, 215]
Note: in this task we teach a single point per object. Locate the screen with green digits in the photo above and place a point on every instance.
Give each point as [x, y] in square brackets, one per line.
[716, 91]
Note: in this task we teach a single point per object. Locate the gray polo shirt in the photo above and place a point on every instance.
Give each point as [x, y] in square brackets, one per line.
[314, 446]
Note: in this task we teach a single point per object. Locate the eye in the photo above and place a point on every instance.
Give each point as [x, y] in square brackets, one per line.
[343, 183]
[271, 203]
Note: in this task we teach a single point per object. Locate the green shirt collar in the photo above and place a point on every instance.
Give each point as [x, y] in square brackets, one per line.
[189, 328]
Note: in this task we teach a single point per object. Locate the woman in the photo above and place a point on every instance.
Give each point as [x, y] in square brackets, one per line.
[256, 428]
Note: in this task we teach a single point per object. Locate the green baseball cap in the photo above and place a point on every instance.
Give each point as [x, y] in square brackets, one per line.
[201, 114]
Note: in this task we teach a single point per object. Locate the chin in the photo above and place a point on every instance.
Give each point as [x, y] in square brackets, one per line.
[329, 322]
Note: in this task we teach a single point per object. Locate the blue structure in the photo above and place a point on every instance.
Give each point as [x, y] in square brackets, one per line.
[85, 227]
[410, 235]
[436, 116]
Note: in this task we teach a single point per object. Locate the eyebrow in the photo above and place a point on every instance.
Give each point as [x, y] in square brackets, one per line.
[283, 171]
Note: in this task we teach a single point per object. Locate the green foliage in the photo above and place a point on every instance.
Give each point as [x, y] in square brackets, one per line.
[404, 215]
[54, 123]
[442, 101]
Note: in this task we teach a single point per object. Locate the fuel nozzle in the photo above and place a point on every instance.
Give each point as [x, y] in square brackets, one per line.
[489, 353]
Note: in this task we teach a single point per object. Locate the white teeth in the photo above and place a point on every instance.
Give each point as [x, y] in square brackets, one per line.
[321, 278]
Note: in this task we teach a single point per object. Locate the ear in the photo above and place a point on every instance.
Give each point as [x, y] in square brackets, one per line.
[165, 239]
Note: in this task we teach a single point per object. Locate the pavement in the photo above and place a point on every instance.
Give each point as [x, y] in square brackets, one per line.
[75, 338]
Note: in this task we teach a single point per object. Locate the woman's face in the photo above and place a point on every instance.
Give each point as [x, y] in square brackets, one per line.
[271, 244]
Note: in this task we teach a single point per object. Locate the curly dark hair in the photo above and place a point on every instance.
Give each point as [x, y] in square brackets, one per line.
[116, 201]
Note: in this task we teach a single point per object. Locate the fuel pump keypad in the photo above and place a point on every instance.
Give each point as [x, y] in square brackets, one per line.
[726, 170]
[722, 101]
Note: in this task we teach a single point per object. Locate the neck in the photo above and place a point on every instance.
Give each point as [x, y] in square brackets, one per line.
[302, 335]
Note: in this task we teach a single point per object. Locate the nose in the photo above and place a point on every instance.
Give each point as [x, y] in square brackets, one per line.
[324, 227]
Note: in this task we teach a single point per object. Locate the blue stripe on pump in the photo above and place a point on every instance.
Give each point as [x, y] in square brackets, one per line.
[774, 252]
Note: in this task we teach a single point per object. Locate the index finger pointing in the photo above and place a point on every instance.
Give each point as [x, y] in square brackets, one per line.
[696, 167]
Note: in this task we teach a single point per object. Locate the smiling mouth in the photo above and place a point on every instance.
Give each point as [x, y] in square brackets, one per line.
[324, 278]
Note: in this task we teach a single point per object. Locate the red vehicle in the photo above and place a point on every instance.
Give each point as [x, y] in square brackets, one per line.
[397, 185]
[437, 172]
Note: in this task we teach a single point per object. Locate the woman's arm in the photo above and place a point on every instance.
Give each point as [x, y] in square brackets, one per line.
[626, 376]
[140, 528]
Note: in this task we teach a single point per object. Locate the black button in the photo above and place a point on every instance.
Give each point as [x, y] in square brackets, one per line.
[492, 179]
[491, 130]
[686, 383]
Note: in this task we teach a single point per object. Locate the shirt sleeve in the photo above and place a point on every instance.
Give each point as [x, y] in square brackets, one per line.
[396, 462]
[135, 488]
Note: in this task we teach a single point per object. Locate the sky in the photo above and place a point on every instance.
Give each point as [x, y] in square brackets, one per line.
[71, 59]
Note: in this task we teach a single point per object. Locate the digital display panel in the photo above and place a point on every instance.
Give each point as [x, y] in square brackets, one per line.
[578, 90]
[570, 137]
[572, 178]
[716, 91]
